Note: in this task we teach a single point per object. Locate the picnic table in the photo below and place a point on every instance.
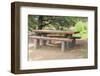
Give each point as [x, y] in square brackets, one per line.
[45, 32]
[43, 37]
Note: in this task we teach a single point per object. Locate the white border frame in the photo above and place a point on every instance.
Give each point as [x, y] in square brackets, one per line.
[24, 64]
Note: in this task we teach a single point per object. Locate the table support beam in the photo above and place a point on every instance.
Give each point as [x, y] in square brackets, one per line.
[36, 43]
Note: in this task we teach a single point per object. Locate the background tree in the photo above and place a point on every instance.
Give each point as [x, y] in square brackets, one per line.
[63, 23]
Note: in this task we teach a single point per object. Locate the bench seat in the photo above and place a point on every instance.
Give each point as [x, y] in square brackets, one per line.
[64, 41]
[51, 38]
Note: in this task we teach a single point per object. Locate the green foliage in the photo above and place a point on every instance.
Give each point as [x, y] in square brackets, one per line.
[63, 23]
[32, 22]
[81, 27]
[49, 27]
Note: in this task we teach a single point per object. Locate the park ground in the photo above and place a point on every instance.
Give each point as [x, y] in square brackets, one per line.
[53, 51]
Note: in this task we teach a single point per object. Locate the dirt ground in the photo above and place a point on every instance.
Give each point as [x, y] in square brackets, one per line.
[49, 52]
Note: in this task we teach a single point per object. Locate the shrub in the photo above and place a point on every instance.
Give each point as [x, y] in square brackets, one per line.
[81, 27]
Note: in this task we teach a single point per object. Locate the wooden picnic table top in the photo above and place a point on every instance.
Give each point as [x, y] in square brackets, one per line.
[50, 38]
[54, 32]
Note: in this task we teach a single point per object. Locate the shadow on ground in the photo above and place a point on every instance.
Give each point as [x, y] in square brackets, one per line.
[54, 52]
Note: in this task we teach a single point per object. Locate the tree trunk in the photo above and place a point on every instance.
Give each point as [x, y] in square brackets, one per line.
[40, 22]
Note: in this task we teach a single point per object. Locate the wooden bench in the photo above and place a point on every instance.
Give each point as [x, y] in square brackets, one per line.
[72, 44]
[64, 41]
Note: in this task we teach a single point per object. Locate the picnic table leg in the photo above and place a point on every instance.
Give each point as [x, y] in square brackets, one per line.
[73, 42]
[36, 43]
[48, 42]
[42, 42]
[62, 46]
[67, 45]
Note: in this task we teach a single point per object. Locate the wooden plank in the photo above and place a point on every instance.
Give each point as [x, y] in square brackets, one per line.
[55, 32]
[36, 43]
[50, 38]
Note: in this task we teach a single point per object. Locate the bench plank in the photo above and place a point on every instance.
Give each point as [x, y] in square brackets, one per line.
[64, 41]
[50, 38]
